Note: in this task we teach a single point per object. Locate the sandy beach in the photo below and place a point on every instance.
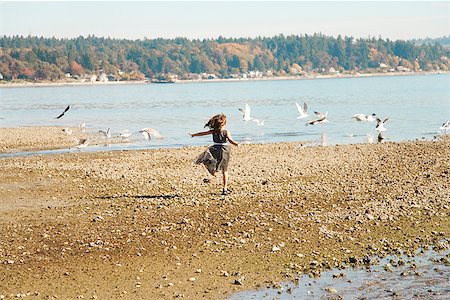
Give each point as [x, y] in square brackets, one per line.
[149, 224]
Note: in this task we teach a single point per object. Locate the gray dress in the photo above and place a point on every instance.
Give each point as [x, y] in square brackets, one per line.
[217, 156]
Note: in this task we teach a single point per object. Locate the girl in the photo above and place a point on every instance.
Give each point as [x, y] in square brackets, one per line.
[217, 156]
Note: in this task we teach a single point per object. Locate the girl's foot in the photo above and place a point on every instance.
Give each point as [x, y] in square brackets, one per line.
[225, 191]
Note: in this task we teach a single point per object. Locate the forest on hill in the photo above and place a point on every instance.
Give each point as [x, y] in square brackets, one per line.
[39, 58]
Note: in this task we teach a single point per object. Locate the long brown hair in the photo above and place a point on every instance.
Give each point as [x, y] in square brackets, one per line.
[217, 122]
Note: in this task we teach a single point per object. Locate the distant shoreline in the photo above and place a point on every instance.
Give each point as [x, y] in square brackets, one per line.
[274, 78]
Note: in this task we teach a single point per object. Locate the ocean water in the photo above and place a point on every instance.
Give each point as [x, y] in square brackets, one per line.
[423, 276]
[415, 105]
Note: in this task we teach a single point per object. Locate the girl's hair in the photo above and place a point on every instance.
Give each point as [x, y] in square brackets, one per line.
[217, 122]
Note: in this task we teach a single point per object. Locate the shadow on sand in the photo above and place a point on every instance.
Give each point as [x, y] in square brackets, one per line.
[141, 196]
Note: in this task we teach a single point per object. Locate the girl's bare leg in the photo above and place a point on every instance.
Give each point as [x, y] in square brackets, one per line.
[225, 179]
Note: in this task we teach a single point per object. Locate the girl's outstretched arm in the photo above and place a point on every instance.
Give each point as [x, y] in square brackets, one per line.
[230, 139]
[202, 133]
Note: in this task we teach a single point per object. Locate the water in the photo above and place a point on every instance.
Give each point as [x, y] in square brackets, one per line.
[373, 282]
[415, 105]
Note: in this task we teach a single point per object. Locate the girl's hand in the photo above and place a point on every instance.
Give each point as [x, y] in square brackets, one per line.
[191, 134]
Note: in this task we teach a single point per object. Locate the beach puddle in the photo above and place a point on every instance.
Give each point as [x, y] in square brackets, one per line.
[426, 275]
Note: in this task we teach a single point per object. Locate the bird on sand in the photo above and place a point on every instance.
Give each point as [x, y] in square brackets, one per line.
[67, 108]
[303, 111]
[365, 118]
[82, 143]
[380, 125]
[149, 132]
[82, 126]
[125, 134]
[67, 130]
[322, 119]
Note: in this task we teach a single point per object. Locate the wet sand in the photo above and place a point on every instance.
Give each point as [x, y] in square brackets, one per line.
[146, 225]
[23, 139]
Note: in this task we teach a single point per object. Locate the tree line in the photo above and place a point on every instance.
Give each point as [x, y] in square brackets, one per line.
[39, 58]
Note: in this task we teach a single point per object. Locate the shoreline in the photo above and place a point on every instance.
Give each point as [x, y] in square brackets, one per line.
[145, 224]
[274, 78]
[37, 140]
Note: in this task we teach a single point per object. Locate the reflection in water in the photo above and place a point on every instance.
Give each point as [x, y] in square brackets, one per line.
[324, 139]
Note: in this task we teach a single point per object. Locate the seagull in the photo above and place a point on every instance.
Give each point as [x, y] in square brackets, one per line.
[246, 116]
[125, 134]
[148, 132]
[380, 125]
[107, 133]
[321, 114]
[82, 143]
[82, 126]
[445, 126]
[365, 118]
[380, 138]
[258, 122]
[67, 131]
[67, 108]
[302, 111]
[322, 119]
[246, 113]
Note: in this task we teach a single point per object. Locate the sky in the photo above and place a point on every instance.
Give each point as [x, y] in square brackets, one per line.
[211, 19]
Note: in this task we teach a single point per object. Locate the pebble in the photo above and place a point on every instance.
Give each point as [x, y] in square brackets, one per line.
[330, 290]
[239, 281]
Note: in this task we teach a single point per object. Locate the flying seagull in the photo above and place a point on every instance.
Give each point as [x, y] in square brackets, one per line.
[258, 122]
[365, 118]
[322, 119]
[246, 116]
[302, 111]
[246, 113]
[67, 108]
[445, 126]
[106, 134]
[148, 132]
[380, 125]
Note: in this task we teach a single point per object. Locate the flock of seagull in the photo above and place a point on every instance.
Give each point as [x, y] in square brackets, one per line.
[321, 118]
[148, 133]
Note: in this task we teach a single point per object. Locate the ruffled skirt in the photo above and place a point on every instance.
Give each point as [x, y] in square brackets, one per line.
[215, 158]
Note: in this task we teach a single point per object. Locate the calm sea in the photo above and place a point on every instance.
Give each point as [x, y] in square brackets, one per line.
[415, 105]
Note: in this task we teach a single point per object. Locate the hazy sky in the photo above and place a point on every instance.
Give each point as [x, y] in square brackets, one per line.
[210, 19]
